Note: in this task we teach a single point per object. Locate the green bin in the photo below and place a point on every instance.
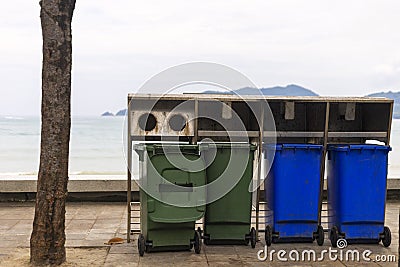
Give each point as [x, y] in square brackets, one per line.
[228, 219]
[165, 226]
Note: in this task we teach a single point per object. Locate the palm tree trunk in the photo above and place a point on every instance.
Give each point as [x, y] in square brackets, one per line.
[48, 235]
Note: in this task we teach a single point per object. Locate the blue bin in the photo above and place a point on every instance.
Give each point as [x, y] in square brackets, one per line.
[292, 193]
[357, 176]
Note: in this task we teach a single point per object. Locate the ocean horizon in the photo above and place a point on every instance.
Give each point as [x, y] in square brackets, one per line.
[96, 148]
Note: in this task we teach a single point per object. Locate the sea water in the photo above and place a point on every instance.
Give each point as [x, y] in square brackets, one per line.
[97, 147]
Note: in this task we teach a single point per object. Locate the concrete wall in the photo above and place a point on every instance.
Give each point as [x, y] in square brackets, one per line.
[85, 186]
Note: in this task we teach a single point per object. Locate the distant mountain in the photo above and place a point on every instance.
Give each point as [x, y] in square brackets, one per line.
[122, 112]
[290, 90]
[107, 114]
[392, 95]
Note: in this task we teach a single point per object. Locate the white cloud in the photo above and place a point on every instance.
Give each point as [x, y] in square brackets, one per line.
[388, 69]
[387, 76]
[333, 47]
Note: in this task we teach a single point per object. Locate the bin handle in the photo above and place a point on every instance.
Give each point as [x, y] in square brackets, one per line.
[175, 152]
[176, 187]
[156, 151]
[182, 150]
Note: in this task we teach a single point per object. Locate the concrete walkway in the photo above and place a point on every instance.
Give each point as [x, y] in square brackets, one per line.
[90, 225]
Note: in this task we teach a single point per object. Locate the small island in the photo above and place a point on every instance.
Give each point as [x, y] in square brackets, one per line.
[107, 114]
[122, 112]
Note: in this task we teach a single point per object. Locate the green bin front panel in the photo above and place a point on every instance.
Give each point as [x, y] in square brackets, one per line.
[229, 218]
[169, 227]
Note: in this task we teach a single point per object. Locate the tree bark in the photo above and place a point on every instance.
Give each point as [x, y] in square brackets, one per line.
[48, 235]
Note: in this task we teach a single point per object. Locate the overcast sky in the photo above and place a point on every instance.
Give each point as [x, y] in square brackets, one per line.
[332, 47]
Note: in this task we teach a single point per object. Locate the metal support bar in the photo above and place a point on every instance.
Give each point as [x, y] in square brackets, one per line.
[357, 134]
[293, 134]
[196, 122]
[322, 167]
[129, 186]
[231, 133]
[390, 127]
[259, 159]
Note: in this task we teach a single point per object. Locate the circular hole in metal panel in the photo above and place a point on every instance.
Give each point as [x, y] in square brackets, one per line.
[147, 122]
[177, 122]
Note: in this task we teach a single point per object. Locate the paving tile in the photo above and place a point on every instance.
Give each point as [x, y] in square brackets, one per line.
[85, 216]
[122, 260]
[76, 236]
[223, 262]
[74, 243]
[356, 264]
[18, 215]
[85, 243]
[222, 253]
[157, 259]
[13, 244]
[188, 257]
[80, 226]
[6, 224]
[121, 249]
[102, 231]
[248, 254]
[22, 227]
[15, 237]
[110, 214]
[194, 264]
[389, 264]
[210, 250]
[233, 258]
[276, 263]
[3, 256]
[106, 227]
[77, 231]
[144, 263]
[91, 257]
[89, 225]
[104, 237]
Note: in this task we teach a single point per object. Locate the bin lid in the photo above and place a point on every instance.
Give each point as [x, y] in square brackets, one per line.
[292, 146]
[160, 148]
[348, 147]
[232, 145]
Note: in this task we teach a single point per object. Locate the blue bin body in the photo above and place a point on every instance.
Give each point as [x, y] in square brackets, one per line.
[292, 190]
[357, 176]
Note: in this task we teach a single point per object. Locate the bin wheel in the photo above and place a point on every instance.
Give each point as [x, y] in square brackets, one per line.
[387, 236]
[268, 235]
[206, 239]
[253, 237]
[320, 236]
[141, 245]
[334, 236]
[197, 242]
[147, 248]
